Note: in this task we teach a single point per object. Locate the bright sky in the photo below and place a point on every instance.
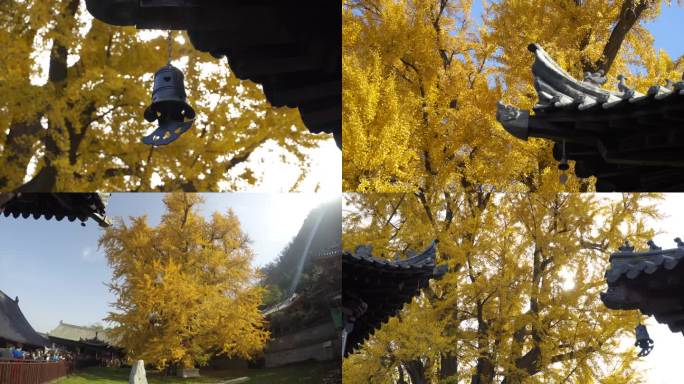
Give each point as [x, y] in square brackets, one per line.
[58, 272]
[325, 174]
[664, 364]
[667, 29]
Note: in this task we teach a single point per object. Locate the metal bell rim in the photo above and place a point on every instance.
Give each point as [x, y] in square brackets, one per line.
[150, 113]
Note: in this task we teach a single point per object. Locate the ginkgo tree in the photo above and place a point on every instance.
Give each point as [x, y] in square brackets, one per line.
[421, 80]
[521, 300]
[72, 94]
[185, 290]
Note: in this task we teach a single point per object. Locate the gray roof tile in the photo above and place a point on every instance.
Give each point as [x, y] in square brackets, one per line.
[628, 140]
[651, 281]
[71, 206]
[13, 325]
[384, 285]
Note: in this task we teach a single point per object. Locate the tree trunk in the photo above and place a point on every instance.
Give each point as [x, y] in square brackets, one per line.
[629, 14]
[513, 376]
[46, 178]
[401, 376]
[20, 140]
[416, 371]
[22, 135]
[448, 365]
[484, 372]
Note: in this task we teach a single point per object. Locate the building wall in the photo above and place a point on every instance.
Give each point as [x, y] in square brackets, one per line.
[320, 343]
[224, 363]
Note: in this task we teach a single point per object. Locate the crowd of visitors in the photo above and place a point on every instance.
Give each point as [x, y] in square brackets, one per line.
[18, 353]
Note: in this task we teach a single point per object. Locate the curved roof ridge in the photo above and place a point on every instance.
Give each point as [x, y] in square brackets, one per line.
[84, 327]
[622, 137]
[14, 326]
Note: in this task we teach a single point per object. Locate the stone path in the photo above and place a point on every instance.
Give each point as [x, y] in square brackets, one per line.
[235, 381]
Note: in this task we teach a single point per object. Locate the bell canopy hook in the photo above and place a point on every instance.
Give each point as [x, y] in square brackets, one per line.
[169, 46]
[169, 104]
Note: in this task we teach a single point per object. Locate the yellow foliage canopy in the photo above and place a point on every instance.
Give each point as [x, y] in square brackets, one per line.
[520, 303]
[421, 80]
[72, 93]
[186, 288]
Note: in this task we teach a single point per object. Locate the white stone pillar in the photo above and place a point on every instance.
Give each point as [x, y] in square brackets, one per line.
[138, 373]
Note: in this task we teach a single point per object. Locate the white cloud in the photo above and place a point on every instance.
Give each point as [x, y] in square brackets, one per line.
[89, 256]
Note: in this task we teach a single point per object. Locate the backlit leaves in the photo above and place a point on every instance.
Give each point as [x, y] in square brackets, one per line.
[72, 93]
[521, 299]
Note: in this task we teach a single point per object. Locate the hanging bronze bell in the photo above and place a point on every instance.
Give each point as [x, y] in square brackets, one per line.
[169, 107]
[643, 340]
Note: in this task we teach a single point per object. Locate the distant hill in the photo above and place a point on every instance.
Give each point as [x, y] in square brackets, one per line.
[280, 276]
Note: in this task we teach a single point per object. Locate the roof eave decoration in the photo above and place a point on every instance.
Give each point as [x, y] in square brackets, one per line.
[96, 210]
[361, 317]
[556, 89]
[421, 260]
[72, 206]
[514, 120]
[628, 140]
[649, 281]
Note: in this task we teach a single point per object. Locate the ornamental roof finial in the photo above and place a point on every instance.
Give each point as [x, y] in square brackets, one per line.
[652, 246]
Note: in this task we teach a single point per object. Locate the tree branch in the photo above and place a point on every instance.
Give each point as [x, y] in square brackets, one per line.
[629, 14]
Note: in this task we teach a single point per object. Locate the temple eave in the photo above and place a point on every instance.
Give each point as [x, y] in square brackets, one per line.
[115, 12]
[626, 139]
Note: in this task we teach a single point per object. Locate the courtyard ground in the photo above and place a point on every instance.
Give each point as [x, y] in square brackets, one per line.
[306, 373]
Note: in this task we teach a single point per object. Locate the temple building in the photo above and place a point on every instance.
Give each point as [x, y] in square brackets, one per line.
[88, 345]
[293, 50]
[375, 288]
[308, 325]
[628, 140]
[72, 206]
[305, 326]
[651, 281]
[15, 330]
